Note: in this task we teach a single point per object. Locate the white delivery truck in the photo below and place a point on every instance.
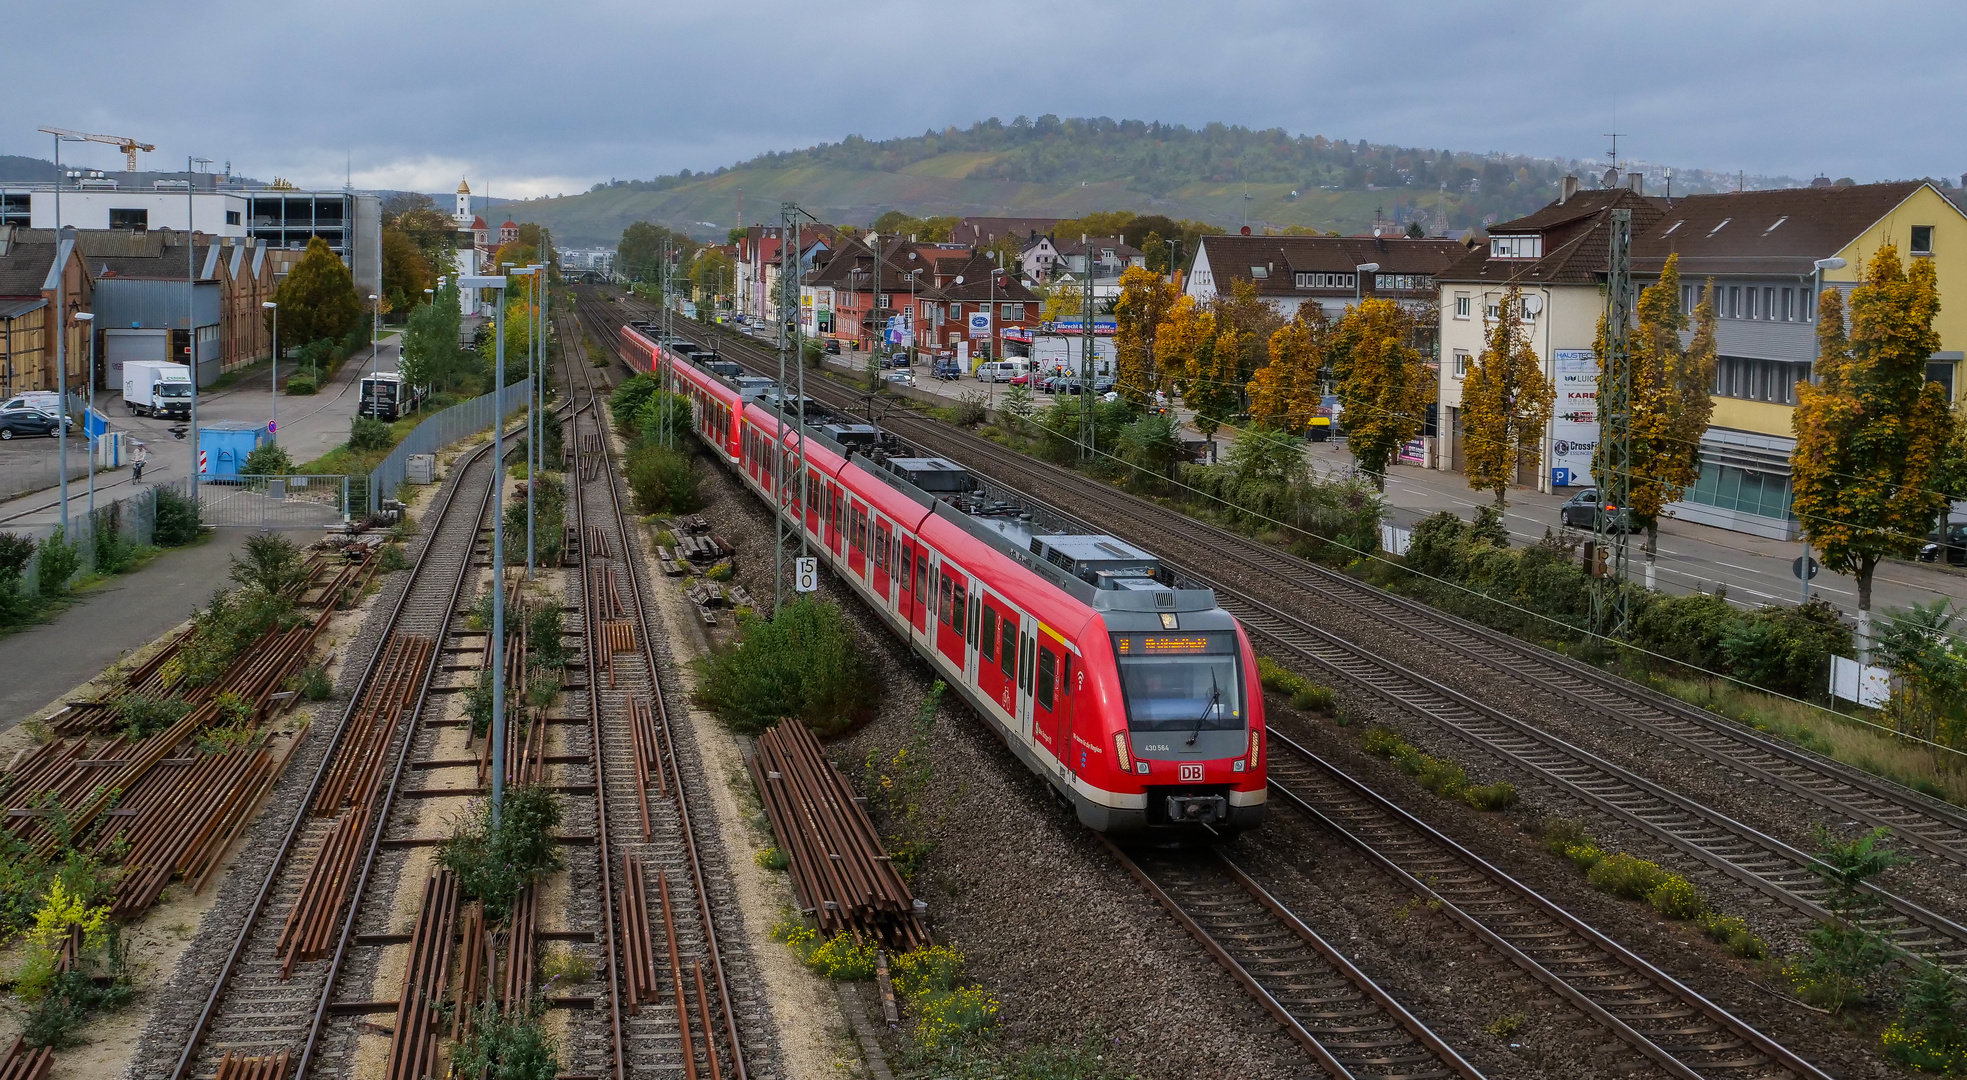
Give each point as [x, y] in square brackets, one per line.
[157, 388]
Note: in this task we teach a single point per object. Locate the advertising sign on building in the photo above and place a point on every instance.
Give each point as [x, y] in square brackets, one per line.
[1574, 418]
[979, 324]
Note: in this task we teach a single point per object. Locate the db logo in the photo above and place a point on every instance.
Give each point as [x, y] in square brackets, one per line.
[1191, 773]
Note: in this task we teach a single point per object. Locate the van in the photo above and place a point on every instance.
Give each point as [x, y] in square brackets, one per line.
[1002, 370]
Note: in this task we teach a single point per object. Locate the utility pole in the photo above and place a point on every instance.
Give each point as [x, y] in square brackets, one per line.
[1610, 607]
[1088, 430]
[778, 451]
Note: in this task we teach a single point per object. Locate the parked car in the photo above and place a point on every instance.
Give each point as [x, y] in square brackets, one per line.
[947, 371]
[896, 360]
[1002, 370]
[1581, 511]
[1948, 545]
[904, 378]
[832, 346]
[28, 421]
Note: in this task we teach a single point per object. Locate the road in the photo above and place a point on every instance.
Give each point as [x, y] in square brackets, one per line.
[1692, 557]
[309, 427]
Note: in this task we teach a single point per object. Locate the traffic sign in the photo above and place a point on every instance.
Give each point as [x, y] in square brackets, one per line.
[806, 574]
[272, 426]
[1796, 566]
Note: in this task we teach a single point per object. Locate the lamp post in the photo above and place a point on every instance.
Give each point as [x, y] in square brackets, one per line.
[497, 643]
[530, 273]
[375, 354]
[273, 420]
[61, 333]
[87, 319]
[1359, 281]
[1817, 280]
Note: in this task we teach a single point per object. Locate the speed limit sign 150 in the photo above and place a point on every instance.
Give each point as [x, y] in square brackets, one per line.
[806, 574]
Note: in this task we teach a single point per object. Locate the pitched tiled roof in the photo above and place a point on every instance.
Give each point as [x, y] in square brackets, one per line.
[977, 284]
[984, 229]
[24, 269]
[1078, 245]
[1576, 244]
[1234, 257]
[1764, 232]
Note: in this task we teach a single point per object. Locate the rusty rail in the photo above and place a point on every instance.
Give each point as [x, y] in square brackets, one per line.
[413, 1045]
[638, 941]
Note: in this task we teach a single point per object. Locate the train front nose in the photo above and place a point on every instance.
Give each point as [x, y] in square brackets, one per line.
[1197, 809]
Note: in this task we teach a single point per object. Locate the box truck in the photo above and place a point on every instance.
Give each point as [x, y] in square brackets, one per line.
[156, 388]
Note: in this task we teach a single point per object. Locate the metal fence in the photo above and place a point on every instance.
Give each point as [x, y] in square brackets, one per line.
[441, 430]
[273, 502]
[113, 529]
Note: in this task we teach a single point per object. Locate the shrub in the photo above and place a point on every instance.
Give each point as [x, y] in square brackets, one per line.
[664, 481]
[140, 717]
[1786, 649]
[301, 385]
[549, 533]
[506, 1044]
[392, 559]
[1841, 959]
[838, 957]
[366, 433]
[1313, 699]
[115, 553]
[177, 518]
[60, 559]
[1676, 898]
[313, 683]
[267, 459]
[626, 402]
[772, 859]
[1626, 876]
[1733, 932]
[225, 628]
[1500, 795]
[1931, 1031]
[495, 864]
[929, 979]
[803, 665]
[273, 564]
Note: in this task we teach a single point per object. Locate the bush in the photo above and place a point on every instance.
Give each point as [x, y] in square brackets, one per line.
[929, 980]
[664, 481]
[313, 683]
[839, 957]
[1335, 521]
[60, 559]
[140, 717]
[1733, 932]
[115, 553]
[366, 433]
[1676, 898]
[273, 564]
[301, 386]
[1626, 876]
[1439, 775]
[230, 624]
[549, 533]
[506, 1044]
[803, 665]
[267, 459]
[494, 865]
[1313, 699]
[1931, 1031]
[177, 518]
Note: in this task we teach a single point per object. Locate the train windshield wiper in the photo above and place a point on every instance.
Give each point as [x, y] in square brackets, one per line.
[1215, 702]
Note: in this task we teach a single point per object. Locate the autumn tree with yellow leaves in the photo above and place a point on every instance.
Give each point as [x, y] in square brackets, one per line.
[1144, 303]
[1211, 387]
[1672, 400]
[1506, 401]
[1286, 392]
[1872, 435]
[1384, 385]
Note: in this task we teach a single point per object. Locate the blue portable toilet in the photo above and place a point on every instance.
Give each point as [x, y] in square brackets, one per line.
[224, 444]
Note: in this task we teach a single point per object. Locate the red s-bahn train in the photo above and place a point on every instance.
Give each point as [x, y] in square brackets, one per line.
[1137, 701]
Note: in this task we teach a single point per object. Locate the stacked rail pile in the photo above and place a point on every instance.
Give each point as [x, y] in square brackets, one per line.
[840, 871]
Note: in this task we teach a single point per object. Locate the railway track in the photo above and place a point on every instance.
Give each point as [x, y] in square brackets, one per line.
[258, 1007]
[1352, 1028]
[680, 1019]
[1742, 853]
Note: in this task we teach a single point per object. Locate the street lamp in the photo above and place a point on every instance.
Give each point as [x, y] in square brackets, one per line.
[375, 353]
[1817, 269]
[497, 644]
[1359, 280]
[87, 319]
[273, 422]
[61, 331]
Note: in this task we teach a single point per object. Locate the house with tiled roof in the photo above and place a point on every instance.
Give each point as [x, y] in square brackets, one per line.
[1290, 271]
[40, 277]
[1766, 254]
[976, 303]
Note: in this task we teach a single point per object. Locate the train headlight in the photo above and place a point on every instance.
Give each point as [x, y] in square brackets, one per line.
[1256, 744]
[1238, 766]
[1120, 754]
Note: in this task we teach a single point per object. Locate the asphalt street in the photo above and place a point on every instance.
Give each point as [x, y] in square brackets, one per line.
[308, 427]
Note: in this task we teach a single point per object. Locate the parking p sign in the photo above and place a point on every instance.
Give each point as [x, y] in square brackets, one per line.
[806, 574]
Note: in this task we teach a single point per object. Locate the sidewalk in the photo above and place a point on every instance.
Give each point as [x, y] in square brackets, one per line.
[109, 620]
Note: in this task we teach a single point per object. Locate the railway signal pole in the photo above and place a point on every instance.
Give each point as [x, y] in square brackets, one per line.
[1610, 606]
[497, 642]
[791, 346]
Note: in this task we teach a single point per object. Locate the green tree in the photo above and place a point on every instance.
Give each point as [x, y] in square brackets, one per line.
[1384, 387]
[1145, 299]
[317, 300]
[433, 231]
[405, 271]
[432, 356]
[1872, 436]
[714, 276]
[639, 253]
[1506, 401]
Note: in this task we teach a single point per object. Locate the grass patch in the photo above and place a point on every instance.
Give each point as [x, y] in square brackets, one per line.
[1304, 695]
[839, 957]
[1632, 878]
[1439, 775]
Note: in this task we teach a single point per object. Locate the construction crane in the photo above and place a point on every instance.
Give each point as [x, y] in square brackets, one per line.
[129, 146]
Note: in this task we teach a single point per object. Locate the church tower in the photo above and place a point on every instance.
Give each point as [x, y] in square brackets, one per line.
[462, 214]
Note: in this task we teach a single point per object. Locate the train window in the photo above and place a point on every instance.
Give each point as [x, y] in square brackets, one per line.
[942, 606]
[958, 620]
[976, 603]
[1047, 668]
[881, 547]
[987, 641]
[908, 566]
[1007, 651]
[1024, 662]
[921, 573]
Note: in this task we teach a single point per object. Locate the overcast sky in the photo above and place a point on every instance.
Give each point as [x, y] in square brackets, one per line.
[411, 95]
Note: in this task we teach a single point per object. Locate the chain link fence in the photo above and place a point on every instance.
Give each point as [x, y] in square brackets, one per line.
[114, 531]
[457, 422]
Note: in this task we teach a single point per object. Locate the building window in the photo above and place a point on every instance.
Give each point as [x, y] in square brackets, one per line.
[1516, 247]
[1806, 308]
[1922, 239]
[1789, 299]
[129, 219]
[1492, 310]
[1013, 312]
[1461, 305]
[1259, 272]
[1462, 363]
[1322, 281]
[1731, 488]
[232, 217]
[1734, 301]
[1400, 282]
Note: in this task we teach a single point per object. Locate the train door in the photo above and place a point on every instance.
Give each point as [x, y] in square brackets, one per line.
[815, 496]
[952, 603]
[915, 570]
[997, 656]
[1076, 756]
[857, 538]
[833, 520]
[884, 542]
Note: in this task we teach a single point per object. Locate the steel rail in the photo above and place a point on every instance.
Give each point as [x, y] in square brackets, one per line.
[304, 807]
[678, 790]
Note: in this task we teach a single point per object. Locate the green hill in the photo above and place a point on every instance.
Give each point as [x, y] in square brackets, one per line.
[1067, 168]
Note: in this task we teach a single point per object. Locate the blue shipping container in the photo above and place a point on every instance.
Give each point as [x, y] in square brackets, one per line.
[223, 446]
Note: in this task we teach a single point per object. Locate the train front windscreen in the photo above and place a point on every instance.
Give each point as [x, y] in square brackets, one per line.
[1181, 682]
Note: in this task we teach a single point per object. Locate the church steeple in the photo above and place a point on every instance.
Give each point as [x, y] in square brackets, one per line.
[462, 212]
